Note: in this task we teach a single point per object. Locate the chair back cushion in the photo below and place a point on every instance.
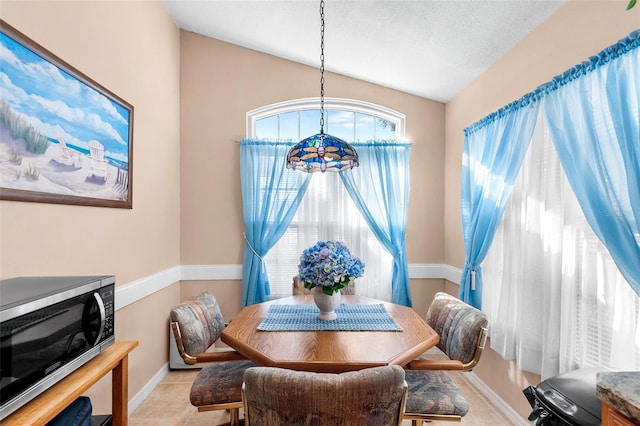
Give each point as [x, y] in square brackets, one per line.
[200, 321]
[275, 396]
[458, 324]
[298, 287]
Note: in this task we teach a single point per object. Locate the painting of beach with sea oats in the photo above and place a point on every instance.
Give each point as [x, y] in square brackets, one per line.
[63, 138]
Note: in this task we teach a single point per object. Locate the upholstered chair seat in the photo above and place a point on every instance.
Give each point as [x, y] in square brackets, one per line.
[433, 394]
[196, 325]
[219, 383]
[276, 396]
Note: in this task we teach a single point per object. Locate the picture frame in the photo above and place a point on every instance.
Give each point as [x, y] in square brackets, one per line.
[64, 138]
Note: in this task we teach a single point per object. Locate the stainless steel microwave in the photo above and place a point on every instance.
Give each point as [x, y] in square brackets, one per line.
[50, 326]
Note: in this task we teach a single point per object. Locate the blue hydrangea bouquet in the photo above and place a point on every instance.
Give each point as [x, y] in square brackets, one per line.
[328, 264]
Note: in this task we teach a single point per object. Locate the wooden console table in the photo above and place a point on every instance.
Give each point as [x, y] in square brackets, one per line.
[47, 405]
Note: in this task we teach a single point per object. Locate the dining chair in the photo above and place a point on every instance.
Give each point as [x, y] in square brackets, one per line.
[277, 396]
[433, 394]
[196, 325]
[298, 287]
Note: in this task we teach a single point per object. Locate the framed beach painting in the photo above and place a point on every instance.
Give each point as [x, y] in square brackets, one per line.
[64, 138]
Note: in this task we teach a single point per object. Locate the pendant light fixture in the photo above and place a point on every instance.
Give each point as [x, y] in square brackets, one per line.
[322, 152]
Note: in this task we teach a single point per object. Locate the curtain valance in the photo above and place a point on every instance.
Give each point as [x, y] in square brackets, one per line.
[625, 45]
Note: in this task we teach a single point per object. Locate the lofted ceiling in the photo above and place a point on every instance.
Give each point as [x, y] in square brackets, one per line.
[429, 48]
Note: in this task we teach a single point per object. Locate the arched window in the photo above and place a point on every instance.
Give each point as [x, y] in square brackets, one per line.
[327, 212]
[347, 119]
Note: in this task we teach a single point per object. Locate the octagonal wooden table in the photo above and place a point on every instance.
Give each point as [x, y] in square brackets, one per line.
[329, 351]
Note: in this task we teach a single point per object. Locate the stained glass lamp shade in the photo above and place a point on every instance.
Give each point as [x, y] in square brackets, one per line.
[321, 153]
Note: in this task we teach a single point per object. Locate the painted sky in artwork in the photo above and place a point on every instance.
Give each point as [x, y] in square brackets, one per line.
[59, 105]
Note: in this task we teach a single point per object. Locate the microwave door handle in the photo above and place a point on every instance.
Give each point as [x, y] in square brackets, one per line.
[103, 316]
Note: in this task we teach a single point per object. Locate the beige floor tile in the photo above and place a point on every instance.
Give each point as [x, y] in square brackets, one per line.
[168, 401]
[155, 422]
[208, 418]
[181, 376]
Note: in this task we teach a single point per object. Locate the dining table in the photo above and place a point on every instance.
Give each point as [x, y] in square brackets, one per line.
[329, 347]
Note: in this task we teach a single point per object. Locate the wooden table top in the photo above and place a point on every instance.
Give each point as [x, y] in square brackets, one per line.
[329, 351]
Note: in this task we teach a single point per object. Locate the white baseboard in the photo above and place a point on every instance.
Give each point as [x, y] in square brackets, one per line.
[495, 399]
[146, 390]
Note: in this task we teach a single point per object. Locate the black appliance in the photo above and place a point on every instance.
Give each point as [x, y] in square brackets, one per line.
[50, 326]
[566, 399]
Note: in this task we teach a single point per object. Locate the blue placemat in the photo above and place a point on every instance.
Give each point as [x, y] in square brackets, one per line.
[350, 318]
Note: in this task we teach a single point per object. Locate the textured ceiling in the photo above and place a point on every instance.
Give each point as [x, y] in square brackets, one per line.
[428, 48]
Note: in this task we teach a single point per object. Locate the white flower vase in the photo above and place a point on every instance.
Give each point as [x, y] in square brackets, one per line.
[327, 304]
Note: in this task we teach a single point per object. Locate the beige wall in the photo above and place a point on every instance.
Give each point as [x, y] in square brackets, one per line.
[190, 95]
[132, 48]
[220, 82]
[180, 80]
[576, 31]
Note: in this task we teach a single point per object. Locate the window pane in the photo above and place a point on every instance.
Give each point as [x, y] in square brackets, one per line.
[267, 128]
[341, 124]
[385, 129]
[309, 123]
[289, 125]
[365, 124]
[328, 213]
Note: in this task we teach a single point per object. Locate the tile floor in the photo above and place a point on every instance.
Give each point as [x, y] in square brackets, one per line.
[168, 405]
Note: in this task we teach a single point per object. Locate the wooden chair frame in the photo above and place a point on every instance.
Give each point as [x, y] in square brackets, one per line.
[452, 364]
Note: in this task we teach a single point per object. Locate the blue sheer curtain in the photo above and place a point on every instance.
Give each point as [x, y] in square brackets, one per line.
[593, 113]
[379, 187]
[271, 194]
[494, 149]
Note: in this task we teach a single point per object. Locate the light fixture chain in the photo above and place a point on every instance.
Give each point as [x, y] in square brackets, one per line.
[311, 154]
[321, 66]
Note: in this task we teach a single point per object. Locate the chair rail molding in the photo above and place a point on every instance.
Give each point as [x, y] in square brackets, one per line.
[139, 289]
[210, 272]
[435, 271]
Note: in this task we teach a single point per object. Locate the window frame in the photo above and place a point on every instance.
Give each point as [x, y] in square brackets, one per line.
[341, 104]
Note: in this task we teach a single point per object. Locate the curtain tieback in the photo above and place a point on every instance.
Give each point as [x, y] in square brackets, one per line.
[473, 275]
[251, 247]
